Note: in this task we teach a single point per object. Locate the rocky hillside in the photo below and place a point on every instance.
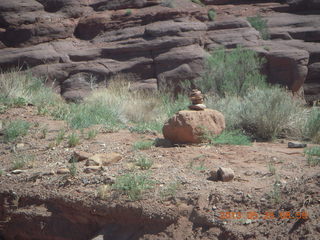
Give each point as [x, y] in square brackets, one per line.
[76, 43]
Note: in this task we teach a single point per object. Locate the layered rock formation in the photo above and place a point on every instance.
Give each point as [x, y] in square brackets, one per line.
[78, 43]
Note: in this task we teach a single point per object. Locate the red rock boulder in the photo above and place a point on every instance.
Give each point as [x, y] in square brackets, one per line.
[190, 126]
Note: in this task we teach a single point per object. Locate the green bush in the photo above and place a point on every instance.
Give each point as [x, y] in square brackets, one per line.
[15, 129]
[143, 162]
[170, 190]
[73, 140]
[260, 25]
[22, 161]
[142, 145]
[212, 14]
[312, 128]
[133, 185]
[231, 138]
[60, 136]
[233, 72]
[230, 106]
[84, 115]
[168, 3]
[128, 12]
[313, 155]
[18, 89]
[269, 113]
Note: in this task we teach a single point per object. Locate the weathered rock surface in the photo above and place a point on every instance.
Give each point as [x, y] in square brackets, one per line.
[189, 126]
[103, 159]
[73, 42]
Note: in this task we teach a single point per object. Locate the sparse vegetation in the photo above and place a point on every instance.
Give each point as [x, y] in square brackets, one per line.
[128, 12]
[272, 168]
[143, 162]
[44, 132]
[19, 89]
[15, 129]
[133, 185]
[260, 25]
[168, 3]
[73, 167]
[212, 14]
[73, 139]
[142, 145]
[103, 191]
[270, 113]
[312, 128]
[92, 133]
[21, 161]
[231, 138]
[170, 190]
[60, 137]
[232, 73]
[1, 172]
[313, 155]
[275, 193]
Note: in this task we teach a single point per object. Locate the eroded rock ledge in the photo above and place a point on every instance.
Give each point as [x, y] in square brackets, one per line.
[72, 42]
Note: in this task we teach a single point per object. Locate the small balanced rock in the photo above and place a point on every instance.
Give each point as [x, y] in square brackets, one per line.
[196, 98]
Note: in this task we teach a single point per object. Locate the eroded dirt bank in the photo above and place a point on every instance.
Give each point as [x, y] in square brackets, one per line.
[38, 203]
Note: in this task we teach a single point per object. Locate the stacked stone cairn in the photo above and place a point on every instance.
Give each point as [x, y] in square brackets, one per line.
[196, 98]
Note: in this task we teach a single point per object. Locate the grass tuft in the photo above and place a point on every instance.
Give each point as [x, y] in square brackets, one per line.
[231, 138]
[170, 190]
[133, 185]
[15, 129]
[231, 73]
[143, 162]
[212, 14]
[142, 145]
[60, 136]
[260, 25]
[313, 155]
[73, 167]
[73, 139]
[312, 128]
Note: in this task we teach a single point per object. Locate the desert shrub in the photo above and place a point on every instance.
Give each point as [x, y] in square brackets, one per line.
[86, 114]
[313, 155]
[172, 105]
[21, 88]
[142, 145]
[133, 185]
[170, 190]
[167, 3]
[260, 25]
[128, 12]
[147, 127]
[60, 136]
[232, 72]
[212, 14]
[230, 106]
[92, 133]
[231, 138]
[73, 139]
[144, 162]
[312, 128]
[15, 129]
[268, 113]
[73, 167]
[21, 161]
